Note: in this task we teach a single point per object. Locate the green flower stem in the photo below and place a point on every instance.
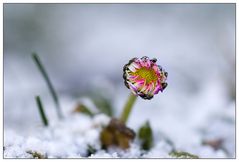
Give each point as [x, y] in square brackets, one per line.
[128, 107]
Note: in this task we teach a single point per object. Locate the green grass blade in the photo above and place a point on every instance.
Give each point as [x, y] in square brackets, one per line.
[41, 111]
[183, 155]
[49, 84]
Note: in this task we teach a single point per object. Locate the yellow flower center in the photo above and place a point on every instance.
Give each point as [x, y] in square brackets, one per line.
[148, 74]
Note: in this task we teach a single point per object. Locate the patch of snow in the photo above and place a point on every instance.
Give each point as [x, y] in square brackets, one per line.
[181, 125]
[67, 138]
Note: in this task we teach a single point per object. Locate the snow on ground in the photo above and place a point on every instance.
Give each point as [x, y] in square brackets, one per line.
[65, 139]
[70, 139]
[175, 127]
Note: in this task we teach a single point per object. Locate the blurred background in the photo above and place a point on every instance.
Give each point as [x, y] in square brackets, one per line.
[85, 46]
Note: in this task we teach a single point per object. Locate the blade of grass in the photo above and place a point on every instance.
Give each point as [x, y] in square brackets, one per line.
[183, 155]
[49, 84]
[41, 111]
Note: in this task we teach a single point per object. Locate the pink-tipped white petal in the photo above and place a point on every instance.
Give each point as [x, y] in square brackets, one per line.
[139, 84]
[148, 63]
[157, 89]
[133, 88]
[133, 77]
[132, 68]
[135, 65]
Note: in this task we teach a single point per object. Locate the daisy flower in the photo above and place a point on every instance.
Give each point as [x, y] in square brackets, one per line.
[144, 77]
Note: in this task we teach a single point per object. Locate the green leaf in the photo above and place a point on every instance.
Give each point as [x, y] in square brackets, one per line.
[83, 109]
[183, 155]
[104, 105]
[101, 100]
[90, 150]
[145, 135]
